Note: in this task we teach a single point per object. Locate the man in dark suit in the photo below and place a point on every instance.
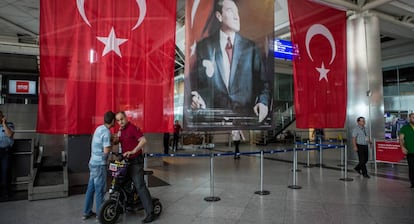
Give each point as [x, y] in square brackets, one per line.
[229, 72]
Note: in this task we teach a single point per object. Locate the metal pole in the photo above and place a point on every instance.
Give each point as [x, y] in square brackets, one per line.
[261, 192]
[320, 153]
[145, 168]
[375, 155]
[212, 198]
[342, 154]
[295, 160]
[346, 178]
[307, 156]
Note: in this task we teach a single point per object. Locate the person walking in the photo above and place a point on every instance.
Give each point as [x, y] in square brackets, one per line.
[237, 136]
[360, 141]
[407, 146]
[177, 130]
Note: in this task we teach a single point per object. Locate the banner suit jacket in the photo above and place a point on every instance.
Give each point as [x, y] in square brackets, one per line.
[247, 81]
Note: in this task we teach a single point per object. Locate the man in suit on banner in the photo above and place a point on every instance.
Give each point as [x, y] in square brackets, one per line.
[229, 72]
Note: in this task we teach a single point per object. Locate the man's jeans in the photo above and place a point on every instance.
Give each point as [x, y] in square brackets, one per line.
[96, 185]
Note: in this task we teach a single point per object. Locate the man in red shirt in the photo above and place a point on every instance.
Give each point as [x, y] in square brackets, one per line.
[132, 142]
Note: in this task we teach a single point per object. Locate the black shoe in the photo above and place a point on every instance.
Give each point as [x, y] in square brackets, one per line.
[366, 176]
[412, 186]
[358, 171]
[149, 218]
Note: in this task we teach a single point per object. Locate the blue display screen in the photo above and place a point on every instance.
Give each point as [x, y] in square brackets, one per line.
[284, 49]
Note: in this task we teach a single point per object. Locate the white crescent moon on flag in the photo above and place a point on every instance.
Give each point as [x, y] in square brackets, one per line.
[322, 30]
[81, 8]
[142, 5]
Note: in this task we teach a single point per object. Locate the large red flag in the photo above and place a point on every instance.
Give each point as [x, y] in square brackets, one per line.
[101, 55]
[320, 69]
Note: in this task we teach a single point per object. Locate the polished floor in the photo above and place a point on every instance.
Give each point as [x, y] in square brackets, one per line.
[323, 198]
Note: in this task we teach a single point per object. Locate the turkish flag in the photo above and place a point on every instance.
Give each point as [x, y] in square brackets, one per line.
[320, 68]
[101, 55]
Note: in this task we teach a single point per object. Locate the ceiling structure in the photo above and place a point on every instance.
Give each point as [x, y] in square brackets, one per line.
[19, 25]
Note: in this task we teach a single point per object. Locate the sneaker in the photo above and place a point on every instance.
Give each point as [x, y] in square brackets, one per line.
[87, 216]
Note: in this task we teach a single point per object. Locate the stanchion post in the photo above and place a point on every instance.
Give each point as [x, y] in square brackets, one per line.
[342, 154]
[212, 198]
[320, 153]
[346, 178]
[261, 192]
[295, 161]
[145, 168]
[307, 156]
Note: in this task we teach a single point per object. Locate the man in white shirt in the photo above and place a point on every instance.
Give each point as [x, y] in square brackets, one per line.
[237, 136]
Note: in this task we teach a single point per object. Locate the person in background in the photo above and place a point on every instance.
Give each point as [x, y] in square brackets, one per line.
[318, 135]
[6, 143]
[100, 148]
[166, 142]
[360, 141]
[407, 146]
[132, 141]
[237, 136]
[177, 129]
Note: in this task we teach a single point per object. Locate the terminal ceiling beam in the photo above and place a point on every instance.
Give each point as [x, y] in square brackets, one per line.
[18, 27]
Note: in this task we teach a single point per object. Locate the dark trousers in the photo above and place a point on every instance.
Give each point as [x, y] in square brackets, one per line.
[175, 141]
[236, 144]
[4, 171]
[166, 143]
[136, 171]
[363, 158]
[410, 160]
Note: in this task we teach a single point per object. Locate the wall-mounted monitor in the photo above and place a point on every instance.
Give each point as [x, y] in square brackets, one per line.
[284, 49]
[24, 87]
[19, 86]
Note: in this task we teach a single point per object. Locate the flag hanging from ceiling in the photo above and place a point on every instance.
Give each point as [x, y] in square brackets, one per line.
[320, 68]
[101, 55]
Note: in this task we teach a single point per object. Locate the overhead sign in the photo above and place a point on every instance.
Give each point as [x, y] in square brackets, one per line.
[284, 49]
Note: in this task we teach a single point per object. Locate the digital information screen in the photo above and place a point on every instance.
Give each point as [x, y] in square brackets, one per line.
[22, 87]
[283, 49]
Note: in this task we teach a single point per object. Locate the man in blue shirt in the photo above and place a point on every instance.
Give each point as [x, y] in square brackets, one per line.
[6, 142]
[100, 147]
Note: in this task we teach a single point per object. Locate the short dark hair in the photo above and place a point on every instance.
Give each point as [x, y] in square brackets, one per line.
[218, 7]
[360, 118]
[109, 117]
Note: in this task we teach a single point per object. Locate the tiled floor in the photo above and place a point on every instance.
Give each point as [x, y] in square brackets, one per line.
[322, 199]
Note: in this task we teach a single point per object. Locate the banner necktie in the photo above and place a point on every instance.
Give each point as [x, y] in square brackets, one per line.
[229, 50]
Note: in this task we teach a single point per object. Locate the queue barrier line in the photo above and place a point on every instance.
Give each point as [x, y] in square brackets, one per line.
[213, 198]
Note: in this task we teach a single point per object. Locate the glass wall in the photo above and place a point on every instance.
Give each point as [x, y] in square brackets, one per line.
[398, 97]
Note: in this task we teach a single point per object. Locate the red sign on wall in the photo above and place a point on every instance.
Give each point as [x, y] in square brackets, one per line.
[22, 87]
[388, 151]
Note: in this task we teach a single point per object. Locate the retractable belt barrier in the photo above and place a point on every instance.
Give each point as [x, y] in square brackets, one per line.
[299, 146]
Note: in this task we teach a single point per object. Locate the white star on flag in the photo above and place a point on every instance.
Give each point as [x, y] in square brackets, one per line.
[323, 72]
[112, 43]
